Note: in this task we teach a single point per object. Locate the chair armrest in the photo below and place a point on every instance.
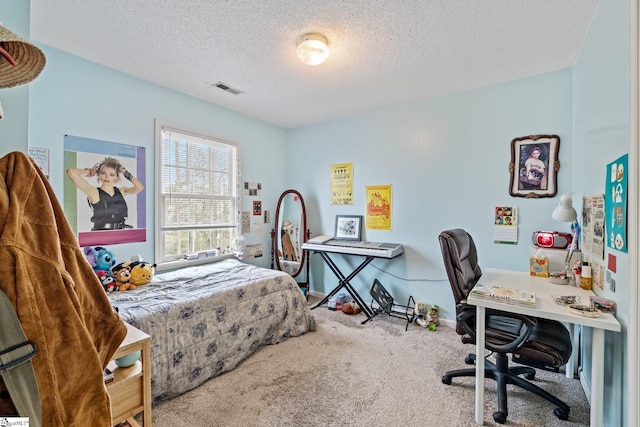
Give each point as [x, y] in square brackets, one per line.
[504, 332]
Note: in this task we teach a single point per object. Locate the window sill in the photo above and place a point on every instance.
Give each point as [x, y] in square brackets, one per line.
[175, 265]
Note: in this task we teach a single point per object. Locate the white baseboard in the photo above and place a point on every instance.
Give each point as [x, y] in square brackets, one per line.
[587, 388]
[585, 384]
[317, 294]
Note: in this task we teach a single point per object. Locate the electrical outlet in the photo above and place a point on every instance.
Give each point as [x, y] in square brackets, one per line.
[612, 285]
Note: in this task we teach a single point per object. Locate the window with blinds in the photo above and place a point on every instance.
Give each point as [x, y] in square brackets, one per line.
[197, 194]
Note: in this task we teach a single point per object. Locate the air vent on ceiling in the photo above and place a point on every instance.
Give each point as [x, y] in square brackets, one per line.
[228, 88]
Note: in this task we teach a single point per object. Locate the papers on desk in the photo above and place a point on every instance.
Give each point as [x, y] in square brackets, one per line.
[507, 295]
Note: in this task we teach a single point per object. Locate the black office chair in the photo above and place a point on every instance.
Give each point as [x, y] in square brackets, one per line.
[540, 343]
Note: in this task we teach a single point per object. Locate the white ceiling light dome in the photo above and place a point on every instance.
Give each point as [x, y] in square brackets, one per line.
[312, 49]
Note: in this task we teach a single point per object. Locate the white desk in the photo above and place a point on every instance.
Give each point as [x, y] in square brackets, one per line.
[545, 308]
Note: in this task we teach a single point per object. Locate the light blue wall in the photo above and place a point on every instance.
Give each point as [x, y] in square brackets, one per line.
[77, 97]
[601, 135]
[14, 128]
[447, 160]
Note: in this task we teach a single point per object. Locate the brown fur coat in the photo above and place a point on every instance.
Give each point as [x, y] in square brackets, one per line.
[58, 298]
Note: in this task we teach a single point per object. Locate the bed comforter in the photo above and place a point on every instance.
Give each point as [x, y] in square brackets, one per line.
[204, 320]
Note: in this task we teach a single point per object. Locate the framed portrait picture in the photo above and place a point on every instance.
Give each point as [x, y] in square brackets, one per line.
[348, 227]
[534, 166]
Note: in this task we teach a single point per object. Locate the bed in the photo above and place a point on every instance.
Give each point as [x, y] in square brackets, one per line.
[204, 320]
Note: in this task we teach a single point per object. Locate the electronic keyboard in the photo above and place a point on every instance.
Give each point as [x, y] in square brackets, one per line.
[374, 249]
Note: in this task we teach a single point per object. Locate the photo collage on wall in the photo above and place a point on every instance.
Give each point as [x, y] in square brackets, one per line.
[616, 204]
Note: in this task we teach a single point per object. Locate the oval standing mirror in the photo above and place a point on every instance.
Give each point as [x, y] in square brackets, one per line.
[289, 234]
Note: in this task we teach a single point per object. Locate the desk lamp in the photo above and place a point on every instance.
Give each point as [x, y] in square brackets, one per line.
[565, 212]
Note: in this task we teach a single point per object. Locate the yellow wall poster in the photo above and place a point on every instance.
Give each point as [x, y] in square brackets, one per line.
[378, 207]
[342, 184]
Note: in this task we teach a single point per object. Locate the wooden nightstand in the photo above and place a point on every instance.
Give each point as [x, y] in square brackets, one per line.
[130, 391]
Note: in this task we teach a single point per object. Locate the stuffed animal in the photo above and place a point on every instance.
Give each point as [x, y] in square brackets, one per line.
[420, 314]
[108, 281]
[100, 258]
[141, 272]
[122, 273]
[432, 317]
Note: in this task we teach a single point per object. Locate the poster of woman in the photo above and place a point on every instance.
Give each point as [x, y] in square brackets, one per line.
[104, 191]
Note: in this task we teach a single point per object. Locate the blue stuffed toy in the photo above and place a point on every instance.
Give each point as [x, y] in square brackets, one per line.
[102, 260]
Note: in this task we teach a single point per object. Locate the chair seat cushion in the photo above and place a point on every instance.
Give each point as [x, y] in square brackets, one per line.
[550, 338]
[549, 343]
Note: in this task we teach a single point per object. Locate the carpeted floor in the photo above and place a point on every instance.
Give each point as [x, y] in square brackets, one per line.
[350, 374]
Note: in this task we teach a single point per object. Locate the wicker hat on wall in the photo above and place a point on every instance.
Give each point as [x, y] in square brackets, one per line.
[20, 61]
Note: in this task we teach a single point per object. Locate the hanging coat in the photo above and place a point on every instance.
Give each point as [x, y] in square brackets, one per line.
[58, 298]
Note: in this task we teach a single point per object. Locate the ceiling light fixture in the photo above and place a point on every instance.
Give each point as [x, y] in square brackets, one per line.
[312, 49]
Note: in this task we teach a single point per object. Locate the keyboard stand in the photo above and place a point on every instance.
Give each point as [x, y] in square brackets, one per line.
[344, 282]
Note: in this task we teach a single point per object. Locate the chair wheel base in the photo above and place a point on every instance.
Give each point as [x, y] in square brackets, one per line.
[500, 417]
[446, 379]
[561, 414]
[470, 360]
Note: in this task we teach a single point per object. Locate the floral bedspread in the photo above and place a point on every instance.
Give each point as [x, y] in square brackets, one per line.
[289, 267]
[204, 320]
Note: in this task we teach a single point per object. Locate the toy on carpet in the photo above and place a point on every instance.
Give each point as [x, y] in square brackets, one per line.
[432, 317]
[420, 314]
[351, 307]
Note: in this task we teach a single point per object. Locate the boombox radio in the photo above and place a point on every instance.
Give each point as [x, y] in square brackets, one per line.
[551, 239]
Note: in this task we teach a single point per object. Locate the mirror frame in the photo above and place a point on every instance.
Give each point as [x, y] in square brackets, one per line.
[277, 237]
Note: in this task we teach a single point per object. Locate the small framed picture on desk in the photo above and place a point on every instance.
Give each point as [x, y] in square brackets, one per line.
[348, 227]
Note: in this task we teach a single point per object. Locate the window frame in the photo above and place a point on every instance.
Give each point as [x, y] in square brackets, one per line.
[180, 260]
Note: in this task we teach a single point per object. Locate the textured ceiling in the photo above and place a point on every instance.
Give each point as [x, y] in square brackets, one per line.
[383, 52]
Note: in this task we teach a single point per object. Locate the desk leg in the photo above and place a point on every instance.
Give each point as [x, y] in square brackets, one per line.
[480, 337]
[597, 376]
[570, 367]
